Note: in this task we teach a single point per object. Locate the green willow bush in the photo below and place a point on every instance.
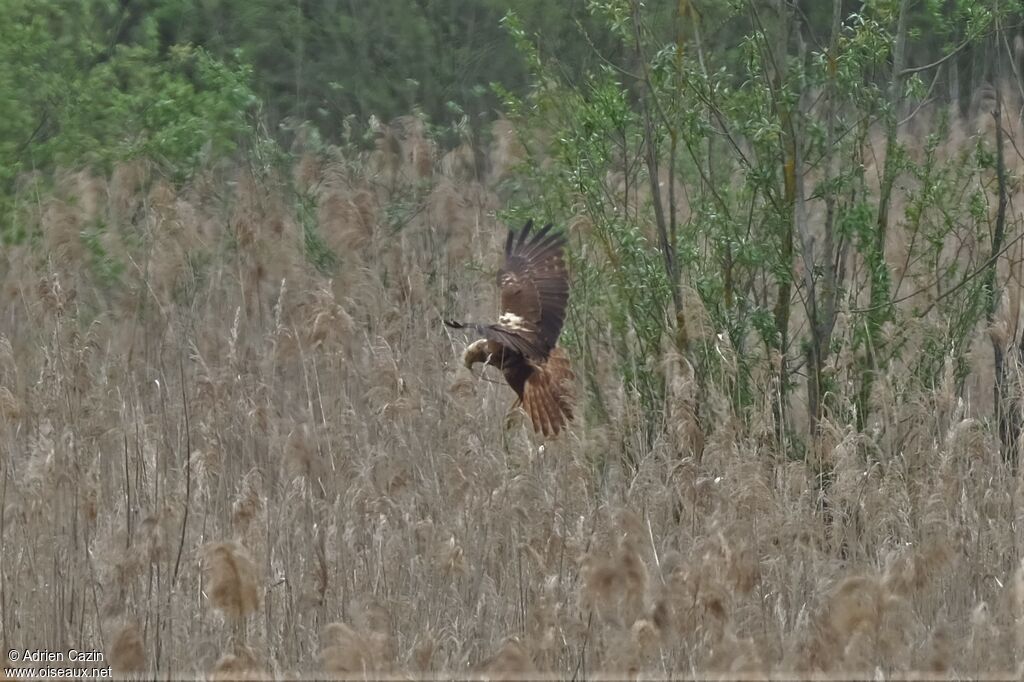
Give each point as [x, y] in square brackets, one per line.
[792, 217]
[72, 95]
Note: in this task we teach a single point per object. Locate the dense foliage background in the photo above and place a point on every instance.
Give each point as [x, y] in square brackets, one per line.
[230, 231]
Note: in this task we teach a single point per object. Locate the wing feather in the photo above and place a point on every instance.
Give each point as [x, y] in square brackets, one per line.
[534, 284]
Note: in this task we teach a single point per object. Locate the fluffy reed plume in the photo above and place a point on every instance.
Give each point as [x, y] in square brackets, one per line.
[511, 662]
[308, 172]
[301, 453]
[417, 148]
[126, 653]
[62, 226]
[344, 218]
[350, 653]
[126, 189]
[386, 159]
[231, 573]
[268, 240]
[685, 423]
[153, 534]
[248, 502]
[423, 652]
[450, 558]
[857, 604]
[615, 583]
[377, 621]
[938, 655]
[865, 620]
[460, 163]
[325, 321]
[242, 665]
[173, 226]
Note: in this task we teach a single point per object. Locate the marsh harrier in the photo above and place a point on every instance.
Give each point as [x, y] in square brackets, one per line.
[534, 288]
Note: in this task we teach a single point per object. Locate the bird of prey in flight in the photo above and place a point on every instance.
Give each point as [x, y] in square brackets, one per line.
[534, 286]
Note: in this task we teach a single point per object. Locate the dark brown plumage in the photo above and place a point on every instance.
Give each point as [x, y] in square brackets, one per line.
[534, 287]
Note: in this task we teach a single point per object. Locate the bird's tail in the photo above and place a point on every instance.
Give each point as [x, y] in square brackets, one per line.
[548, 396]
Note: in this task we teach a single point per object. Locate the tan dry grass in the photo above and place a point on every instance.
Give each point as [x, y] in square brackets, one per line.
[356, 505]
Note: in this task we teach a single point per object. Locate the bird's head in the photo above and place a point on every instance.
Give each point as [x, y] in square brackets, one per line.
[475, 352]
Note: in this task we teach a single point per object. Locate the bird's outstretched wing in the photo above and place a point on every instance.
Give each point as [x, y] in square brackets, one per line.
[534, 287]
